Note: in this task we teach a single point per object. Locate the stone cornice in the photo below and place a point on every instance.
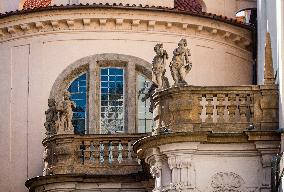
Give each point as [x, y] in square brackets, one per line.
[133, 7]
[103, 19]
[205, 137]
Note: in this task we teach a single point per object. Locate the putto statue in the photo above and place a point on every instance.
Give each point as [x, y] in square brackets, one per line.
[158, 68]
[65, 109]
[51, 118]
[180, 64]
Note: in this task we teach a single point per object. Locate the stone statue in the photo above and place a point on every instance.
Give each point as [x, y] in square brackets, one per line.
[180, 64]
[51, 118]
[65, 109]
[158, 68]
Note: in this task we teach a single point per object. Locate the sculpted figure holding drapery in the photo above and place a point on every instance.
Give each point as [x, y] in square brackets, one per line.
[158, 68]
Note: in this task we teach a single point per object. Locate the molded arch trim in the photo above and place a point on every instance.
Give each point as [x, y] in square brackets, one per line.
[82, 65]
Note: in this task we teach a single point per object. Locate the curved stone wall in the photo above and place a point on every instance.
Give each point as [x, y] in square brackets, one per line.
[36, 47]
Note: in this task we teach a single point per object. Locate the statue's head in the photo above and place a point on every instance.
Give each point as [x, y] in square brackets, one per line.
[51, 102]
[182, 43]
[159, 48]
[66, 95]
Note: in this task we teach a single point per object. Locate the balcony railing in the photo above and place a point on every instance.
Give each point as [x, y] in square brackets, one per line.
[91, 154]
[230, 109]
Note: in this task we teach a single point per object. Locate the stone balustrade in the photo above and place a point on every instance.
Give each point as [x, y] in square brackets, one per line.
[90, 154]
[217, 109]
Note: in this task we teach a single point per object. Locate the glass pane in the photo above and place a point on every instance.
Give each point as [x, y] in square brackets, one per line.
[112, 100]
[143, 104]
[78, 93]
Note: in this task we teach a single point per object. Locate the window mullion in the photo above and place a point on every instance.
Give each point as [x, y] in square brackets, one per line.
[93, 100]
[130, 99]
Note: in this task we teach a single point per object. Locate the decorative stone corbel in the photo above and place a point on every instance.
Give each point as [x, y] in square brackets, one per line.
[200, 28]
[11, 30]
[184, 26]
[227, 35]
[39, 25]
[25, 27]
[70, 24]
[169, 25]
[86, 22]
[119, 23]
[151, 25]
[55, 24]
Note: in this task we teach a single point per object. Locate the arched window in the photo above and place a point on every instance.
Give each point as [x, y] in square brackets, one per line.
[111, 97]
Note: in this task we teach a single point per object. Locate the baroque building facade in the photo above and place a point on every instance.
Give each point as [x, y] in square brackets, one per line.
[165, 95]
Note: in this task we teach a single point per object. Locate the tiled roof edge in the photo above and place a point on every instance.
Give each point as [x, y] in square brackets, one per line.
[221, 18]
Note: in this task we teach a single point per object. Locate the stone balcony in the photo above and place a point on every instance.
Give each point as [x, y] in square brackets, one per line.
[216, 109]
[90, 155]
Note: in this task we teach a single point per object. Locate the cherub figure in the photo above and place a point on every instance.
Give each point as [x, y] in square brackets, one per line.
[158, 68]
[66, 112]
[180, 64]
[51, 117]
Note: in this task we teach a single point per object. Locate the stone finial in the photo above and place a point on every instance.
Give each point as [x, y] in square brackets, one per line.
[159, 67]
[51, 118]
[65, 108]
[180, 64]
[269, 77]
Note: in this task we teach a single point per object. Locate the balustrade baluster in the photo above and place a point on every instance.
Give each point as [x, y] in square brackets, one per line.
[200, 107]
[129, 149]
[82, 151]
[110, 152]
[232, 107]
[209, 108]
[120, 149]
[92, 151]
[221, 108]
[251, 108]
[102, 151]
[243, 107]
[125, 150]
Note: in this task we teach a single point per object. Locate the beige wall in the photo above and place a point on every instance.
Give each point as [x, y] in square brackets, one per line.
[33, 55]
[228, 8]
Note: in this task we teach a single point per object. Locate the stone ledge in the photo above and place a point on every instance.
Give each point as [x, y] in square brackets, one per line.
[84, 181]
[205, 137]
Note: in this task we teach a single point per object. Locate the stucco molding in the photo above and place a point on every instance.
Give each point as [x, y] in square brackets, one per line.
[82, 66]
